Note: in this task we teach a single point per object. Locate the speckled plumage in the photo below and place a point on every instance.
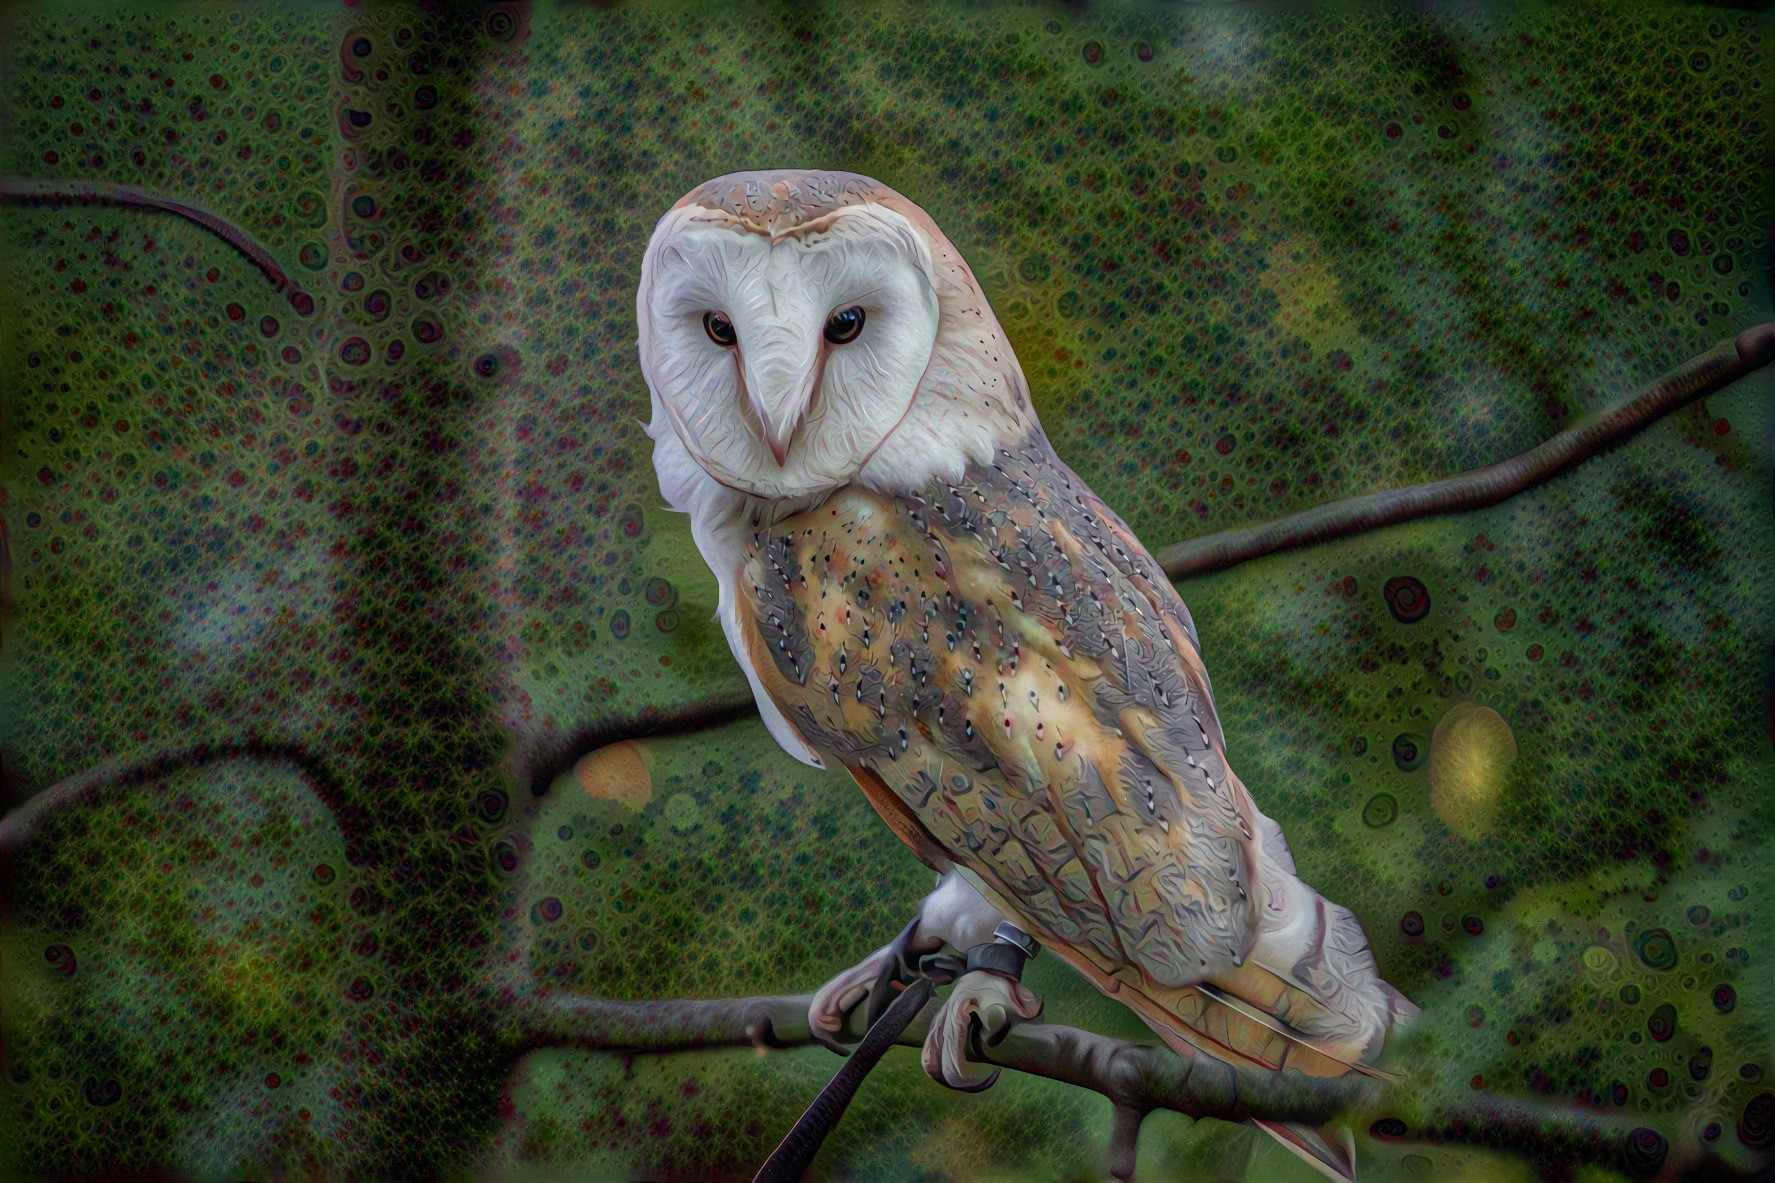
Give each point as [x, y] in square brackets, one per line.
[978, 646]
[1009, 662]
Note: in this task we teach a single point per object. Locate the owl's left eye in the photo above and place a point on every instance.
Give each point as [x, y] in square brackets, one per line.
[719, 328]
[845, 324]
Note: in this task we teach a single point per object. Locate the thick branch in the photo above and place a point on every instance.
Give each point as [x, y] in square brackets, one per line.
[1139, 1077]
[674, 1025]
[1480, 488]
[1136, 1078]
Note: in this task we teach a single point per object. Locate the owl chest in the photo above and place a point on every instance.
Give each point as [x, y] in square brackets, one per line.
[865, 636]
[883, 626]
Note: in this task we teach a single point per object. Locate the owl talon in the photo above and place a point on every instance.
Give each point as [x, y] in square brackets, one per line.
[997, 1003]
[821, 1037]
[833, 1003]
[869, 983]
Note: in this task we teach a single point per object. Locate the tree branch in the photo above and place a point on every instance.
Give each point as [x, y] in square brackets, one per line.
[1137, 1077]
[56, 193]
[93, 786]
[1479, 488]
[120, 774]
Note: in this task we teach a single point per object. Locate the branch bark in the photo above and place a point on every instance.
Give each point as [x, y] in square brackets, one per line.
[1133, 1076]
[1480, 488]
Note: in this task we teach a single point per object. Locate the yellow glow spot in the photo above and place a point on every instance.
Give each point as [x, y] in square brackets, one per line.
[1310, 299]
[1470, 756]
[616, 773]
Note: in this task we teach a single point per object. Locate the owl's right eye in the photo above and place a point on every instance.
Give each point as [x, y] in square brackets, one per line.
[719, 328]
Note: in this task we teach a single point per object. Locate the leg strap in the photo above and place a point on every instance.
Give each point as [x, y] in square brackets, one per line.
[1004, 955]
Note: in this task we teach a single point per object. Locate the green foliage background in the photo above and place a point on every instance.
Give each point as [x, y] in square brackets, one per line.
[351, 611]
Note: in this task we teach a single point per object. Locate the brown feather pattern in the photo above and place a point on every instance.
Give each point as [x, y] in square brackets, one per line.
[1021, 692]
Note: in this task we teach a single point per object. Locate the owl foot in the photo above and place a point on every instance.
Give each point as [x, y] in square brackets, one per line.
[997, 1003]
[870, 982]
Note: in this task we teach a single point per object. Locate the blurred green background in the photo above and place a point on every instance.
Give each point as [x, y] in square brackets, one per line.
[341, 596]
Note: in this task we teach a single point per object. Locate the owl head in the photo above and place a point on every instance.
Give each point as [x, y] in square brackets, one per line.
[798, 328]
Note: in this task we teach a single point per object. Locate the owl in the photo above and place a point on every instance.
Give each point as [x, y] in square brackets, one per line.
[920, 589]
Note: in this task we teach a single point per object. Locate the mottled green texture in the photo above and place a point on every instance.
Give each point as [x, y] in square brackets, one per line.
[1251, 260]
[624, 925]
[172, 988]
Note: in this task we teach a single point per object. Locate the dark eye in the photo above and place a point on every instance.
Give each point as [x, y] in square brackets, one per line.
[845, 324]
[719, 328]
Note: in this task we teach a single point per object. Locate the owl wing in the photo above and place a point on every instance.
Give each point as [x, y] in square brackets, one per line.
[1020, 693]
[1156, 688]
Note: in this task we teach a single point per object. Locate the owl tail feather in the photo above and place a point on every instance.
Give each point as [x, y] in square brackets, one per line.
[1237, 1028]
[1336, 1162]
[1269, 1020]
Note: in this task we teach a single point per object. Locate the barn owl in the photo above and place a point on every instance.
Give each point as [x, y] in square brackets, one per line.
[919, 589]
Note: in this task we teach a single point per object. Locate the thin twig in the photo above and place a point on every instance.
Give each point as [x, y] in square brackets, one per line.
[56, 193]
[117, 776]
[122, 773]
[1479, 488]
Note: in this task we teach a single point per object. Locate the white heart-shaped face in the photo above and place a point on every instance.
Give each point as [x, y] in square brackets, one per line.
[790, 407]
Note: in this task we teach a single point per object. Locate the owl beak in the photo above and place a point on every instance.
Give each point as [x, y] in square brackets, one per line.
[780, 395]
[778, 439]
